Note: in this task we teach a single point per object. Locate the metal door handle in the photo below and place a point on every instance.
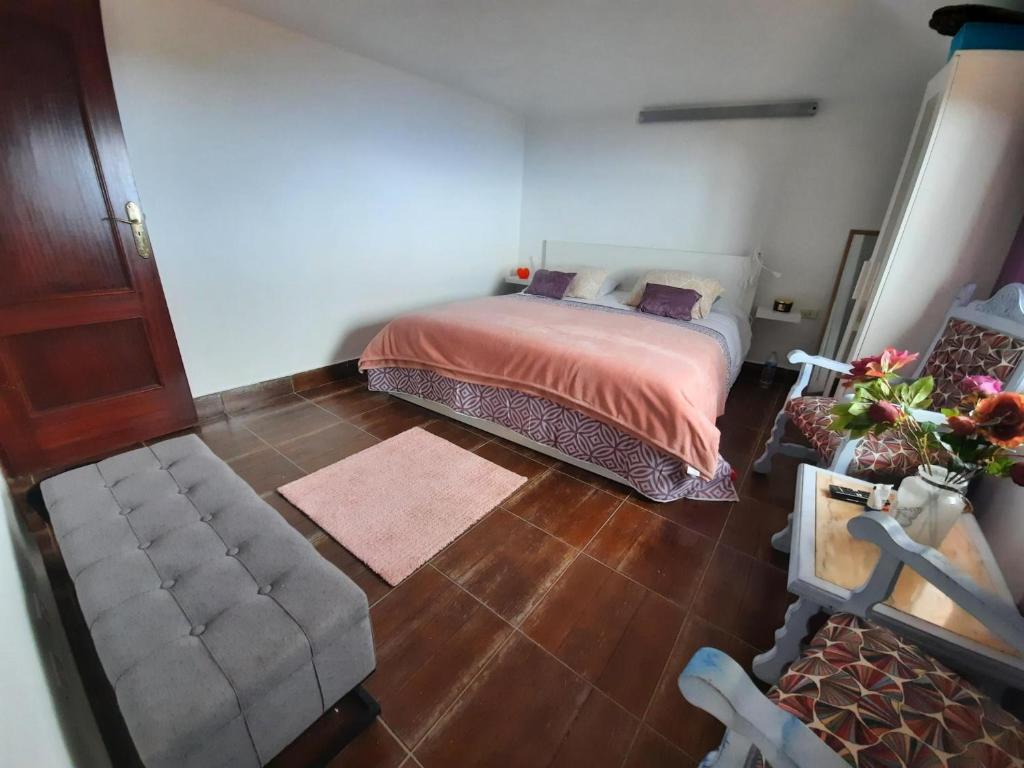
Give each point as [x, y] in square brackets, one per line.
[138, 224]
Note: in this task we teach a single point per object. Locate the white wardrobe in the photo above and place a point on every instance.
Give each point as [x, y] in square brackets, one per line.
[957, 204]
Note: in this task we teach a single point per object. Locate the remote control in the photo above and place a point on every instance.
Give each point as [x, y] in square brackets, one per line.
[851, 495]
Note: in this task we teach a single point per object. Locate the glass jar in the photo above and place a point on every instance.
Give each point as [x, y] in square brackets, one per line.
[929, 504]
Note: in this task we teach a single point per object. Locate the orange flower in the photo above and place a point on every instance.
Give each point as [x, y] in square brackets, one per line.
[893, 359]
[1000, 419]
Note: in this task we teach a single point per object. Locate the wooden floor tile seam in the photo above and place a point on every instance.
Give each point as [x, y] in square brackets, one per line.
[197, 430]
[682, 627]
[629, 489]
[632, 745]
[254, 417]
[343, 419]
[690, 612]
[503, 508]
[484, 666]
[521, 490]
[685, 606]
[408, 752]
[579, 551]
[429, 613]
[274, 449]
[318, 430]
[518, 630]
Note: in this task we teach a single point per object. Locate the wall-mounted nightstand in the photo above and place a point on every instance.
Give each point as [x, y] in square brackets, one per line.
[516, 280]
[767, 313]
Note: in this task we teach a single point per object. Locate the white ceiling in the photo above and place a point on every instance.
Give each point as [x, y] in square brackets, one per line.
[543, 57]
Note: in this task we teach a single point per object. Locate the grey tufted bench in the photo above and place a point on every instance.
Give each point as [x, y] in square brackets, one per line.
[222, 631]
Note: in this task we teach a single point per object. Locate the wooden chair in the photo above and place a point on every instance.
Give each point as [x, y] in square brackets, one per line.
[976, 338]
[859, 695]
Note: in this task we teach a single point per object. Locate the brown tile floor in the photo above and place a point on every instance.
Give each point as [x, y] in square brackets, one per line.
[552, 632]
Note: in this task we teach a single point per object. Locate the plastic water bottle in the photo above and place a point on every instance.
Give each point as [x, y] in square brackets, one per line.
[768, 370]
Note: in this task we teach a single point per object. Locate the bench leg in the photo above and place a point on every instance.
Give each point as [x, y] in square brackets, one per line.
[336, 728]
[362, 710]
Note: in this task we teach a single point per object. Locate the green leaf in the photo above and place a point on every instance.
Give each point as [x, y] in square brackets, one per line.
[999, 466]
[919, 393]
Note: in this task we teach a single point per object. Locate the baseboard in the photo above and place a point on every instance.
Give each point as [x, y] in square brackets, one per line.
[251, 396]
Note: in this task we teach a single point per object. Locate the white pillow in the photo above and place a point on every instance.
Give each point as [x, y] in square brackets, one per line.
[708, 288]
[589, 283]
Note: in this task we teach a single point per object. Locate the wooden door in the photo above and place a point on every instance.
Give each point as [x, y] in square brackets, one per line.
[88, 358]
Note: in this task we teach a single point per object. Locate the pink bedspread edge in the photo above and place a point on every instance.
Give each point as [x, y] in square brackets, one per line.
[660, 382]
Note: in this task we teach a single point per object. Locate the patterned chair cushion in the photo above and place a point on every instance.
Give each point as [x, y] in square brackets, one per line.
[966, 349]
[878, 457]
[879, 702]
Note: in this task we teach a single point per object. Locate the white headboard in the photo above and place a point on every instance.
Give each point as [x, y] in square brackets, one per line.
[737, 273]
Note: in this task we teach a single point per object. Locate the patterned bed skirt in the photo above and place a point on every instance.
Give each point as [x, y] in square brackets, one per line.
[650, 471]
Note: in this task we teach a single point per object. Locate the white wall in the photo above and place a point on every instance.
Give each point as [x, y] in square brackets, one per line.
[45, 720]
[795, 186]
[299, 196]
[998, 504]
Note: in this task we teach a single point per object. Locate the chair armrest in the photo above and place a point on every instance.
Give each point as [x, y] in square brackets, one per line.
[801, 357]
[715, 683]
[807, 365]
[1001, 618]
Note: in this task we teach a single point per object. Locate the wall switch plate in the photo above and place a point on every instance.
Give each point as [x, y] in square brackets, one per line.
[809, 314]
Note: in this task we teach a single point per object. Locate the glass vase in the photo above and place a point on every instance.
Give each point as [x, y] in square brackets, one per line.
[929, 504]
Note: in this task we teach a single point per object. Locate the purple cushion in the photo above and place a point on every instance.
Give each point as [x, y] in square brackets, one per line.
[549, 283]
[667, 301]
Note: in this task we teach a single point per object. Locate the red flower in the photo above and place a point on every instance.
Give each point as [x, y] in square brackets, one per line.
[862, 369]
[878, 366]
[1017, 473]
[962, 425]
[1001, 419]
[884, 412]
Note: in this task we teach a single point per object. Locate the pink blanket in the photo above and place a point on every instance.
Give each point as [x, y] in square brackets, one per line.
[660, 382]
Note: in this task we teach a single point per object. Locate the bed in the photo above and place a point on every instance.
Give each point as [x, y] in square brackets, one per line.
[628, 396]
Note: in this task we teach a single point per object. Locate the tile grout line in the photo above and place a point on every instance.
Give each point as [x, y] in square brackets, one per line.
[271, 447]
[517, 630]
[483, 665]
[345, 420]
[383, 722]
[689, 610]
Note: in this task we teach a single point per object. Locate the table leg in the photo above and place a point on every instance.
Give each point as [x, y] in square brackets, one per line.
[768, 666]
[781, 540]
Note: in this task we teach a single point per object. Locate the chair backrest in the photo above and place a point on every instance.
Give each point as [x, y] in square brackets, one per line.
[978, 338]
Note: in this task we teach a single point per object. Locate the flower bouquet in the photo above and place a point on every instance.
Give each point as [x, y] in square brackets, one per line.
[982, 435]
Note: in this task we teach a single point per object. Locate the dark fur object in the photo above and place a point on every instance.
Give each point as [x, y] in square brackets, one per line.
[948, 19]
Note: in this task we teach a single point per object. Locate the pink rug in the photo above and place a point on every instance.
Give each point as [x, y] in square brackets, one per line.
[397, 504]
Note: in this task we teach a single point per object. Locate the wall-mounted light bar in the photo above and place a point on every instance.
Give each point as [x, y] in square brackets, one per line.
[677, 114]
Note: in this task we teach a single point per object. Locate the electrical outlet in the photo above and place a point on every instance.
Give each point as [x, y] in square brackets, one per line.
[809, 314]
